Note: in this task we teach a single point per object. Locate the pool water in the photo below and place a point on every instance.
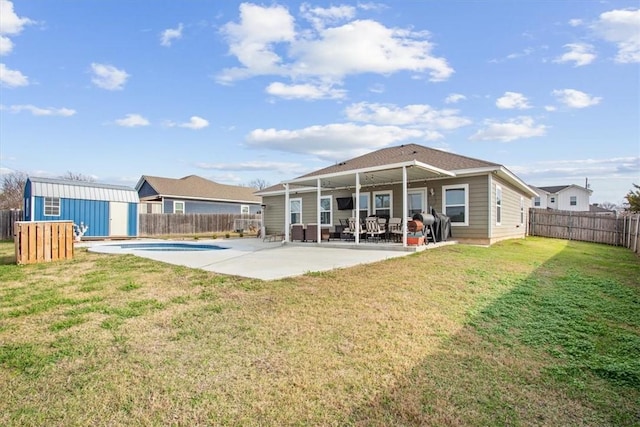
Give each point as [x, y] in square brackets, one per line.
[173, 246]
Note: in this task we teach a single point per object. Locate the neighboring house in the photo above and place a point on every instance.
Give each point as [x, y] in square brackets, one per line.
[484, 200]
[599, 210]
[107, 210]
[562, 197]
[193, 194]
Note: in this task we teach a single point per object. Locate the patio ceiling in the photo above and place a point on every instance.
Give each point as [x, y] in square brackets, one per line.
[378, 175]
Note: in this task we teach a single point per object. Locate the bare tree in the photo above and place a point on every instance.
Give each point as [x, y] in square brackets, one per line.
[12, 190]
[259, 184]
[608, 205]
[72, 176]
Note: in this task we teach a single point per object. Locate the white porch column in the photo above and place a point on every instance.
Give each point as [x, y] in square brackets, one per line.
[318, 217]
[287, 213]
[404, 206]
[357, 216]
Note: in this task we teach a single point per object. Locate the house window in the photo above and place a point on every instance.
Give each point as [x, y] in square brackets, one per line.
[296, 211]
[521, 210]
[415, 201]
[536, 201]
[498, 205]
[325, 210]
[552, 199]
[382, 204]
[455, 203]
[364, 205]
[244, 209]
[573, 200]
[178, 207]
[52, 206]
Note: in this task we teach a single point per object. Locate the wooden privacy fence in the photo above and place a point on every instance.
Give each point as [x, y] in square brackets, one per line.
[43, 241]
[7, 218]
[587, 227]
[163, 224]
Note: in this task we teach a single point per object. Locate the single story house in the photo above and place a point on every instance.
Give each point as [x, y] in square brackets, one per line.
[484, 201]
[107, 210]
[562, 197]
[193, 194]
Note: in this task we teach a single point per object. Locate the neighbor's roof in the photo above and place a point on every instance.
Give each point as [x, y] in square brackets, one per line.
[558, 188]
[84, 190]
[195, 187]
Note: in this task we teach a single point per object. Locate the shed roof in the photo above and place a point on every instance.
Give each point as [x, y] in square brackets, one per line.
[196, 187]
[84, 190]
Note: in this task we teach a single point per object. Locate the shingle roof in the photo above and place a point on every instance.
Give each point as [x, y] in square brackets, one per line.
[554, 189]
[404, 153]
[193, 186]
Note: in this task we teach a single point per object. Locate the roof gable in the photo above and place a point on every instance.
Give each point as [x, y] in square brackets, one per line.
[405, 153]
[196, 187]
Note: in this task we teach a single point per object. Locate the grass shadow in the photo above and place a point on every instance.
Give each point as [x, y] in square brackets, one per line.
[561, 348]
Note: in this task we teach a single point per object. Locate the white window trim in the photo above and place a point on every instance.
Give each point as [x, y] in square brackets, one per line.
[245, 210]
[299, 199]
[499, 206]
[390, 193]
[573, 202]
[466, 203]
[175, 204]
[330, 209]
[55, 203]
[521, 210]
[537, 201]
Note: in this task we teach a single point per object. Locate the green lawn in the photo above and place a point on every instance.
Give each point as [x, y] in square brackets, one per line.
[535, 332]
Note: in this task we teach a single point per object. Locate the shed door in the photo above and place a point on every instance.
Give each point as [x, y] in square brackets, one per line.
[118, 218]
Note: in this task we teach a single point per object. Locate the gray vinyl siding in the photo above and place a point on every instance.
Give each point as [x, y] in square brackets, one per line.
[510, 226]
[200, 206]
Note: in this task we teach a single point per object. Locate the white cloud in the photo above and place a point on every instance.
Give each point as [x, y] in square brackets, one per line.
[132, 120]
[621, 27]
[37, 111]
[331, 142]
[170, 34]
[265, 42]
[12, 78]
[512, 101]
[575, 22]
[578, 53]
[108, 77]
[454, 98]
[251, 166]
[304, 91]
[575, 99]
[417, 115]
[321, 17]
[195, 123]
[518, 128]
[10, 25]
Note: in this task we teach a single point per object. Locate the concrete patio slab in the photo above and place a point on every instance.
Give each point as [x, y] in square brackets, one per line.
[257, 259]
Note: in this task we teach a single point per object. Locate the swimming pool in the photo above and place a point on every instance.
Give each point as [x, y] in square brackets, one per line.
[168, 246]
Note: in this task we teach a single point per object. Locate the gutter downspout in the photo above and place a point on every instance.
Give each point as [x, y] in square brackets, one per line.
[318, 218]
[287, 213]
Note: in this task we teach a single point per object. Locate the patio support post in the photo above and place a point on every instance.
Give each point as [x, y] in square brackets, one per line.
[318, 211]
[357, 216]
[404, 206]
[287, 213]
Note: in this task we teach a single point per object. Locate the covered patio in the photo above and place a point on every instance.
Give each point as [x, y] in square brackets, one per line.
[355, 180]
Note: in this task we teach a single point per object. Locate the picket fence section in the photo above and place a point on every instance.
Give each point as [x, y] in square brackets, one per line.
[613, 230]
[167, 224]
[7, 219]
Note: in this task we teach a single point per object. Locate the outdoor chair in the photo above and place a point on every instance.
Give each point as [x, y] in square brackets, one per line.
[394, 229]
[374, 232]
[353, 228]
[297, 232]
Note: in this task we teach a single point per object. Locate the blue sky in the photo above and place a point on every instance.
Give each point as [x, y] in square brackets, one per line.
[237, 92]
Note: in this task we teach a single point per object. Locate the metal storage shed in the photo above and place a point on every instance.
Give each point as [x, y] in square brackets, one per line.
[108, 210]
